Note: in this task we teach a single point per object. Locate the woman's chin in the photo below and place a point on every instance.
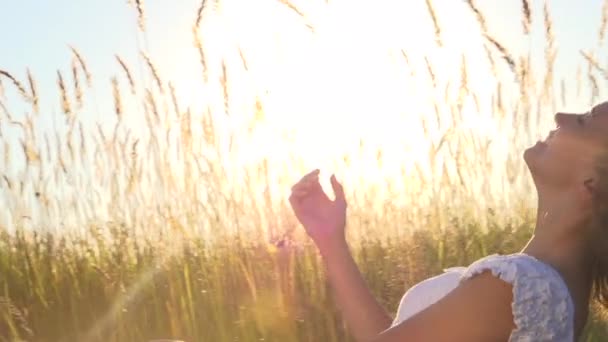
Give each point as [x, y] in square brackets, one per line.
[534, 150]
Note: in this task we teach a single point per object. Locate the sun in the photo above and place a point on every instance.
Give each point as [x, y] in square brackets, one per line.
[331, 75]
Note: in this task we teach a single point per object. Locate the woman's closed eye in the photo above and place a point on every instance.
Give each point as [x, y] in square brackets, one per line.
[580, 119]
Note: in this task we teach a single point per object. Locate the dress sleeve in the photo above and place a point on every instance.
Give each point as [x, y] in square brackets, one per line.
[542, 307]
[426, 293]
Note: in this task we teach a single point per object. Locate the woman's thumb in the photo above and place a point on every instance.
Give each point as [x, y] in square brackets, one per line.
[337, 187]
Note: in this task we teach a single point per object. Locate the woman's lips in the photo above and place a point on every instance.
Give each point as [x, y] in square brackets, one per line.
[551, 134]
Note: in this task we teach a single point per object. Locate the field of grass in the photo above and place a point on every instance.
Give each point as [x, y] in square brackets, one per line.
[140, 227]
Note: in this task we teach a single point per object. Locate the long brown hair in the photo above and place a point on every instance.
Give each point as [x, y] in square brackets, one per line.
[598, 239]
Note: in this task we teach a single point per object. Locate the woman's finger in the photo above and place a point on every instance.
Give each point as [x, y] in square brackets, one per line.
[299, 193]
[313, 173]
[338, 188]
[306, 182]
[301, 185]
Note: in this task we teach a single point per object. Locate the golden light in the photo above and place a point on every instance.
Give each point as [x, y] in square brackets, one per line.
[341, 73]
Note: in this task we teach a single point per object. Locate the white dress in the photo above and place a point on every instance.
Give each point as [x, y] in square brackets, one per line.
[543, 309]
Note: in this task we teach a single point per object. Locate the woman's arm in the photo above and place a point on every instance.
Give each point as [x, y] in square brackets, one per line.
[364, 315]
[325, 221]
[479, 310]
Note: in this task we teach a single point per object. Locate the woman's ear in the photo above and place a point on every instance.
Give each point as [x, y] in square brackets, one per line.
[590, 189]
[589, 184]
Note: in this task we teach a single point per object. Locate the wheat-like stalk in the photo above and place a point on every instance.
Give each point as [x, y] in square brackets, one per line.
[490, 57]
[199, 13]
[10, 310]
[431, 10]
[174, 100]
[152, 102]
[224, 82]
[33, 91]
[296, 10]
[429, 68]
[595, 89]
[30, 153]
[76, 82]
[480, 18]
[603, 23]
[595, 64]
[154, 72]
[464, 78]
[243, 59]
[83, 146]
[549, 32]
[504, 52]
[116, 96]
[141, 18]
[527, 20]
[407, 62]
[201, 52]
[65, 102]
[47, 144]
[82, 64]
[127, 72]
[16, 83]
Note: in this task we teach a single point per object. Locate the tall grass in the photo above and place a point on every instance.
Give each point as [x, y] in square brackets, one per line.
[143, 226]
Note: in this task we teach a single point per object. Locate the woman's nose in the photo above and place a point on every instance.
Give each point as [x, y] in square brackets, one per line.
[560, 118]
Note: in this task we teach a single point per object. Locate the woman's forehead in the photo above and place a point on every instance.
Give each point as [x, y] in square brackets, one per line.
[600, 109]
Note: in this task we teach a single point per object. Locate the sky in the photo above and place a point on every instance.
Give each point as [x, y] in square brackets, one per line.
[351, 36]
[322, 85]
[35, 34]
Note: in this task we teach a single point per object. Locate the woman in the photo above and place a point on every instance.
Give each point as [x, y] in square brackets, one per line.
[540, 294]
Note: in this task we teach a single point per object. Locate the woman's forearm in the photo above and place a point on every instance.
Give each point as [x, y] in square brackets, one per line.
[364, 315]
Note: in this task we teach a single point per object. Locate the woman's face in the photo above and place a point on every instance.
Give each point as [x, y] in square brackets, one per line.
[566, 157]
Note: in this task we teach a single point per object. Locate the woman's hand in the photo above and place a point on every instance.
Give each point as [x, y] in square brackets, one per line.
[323, 219]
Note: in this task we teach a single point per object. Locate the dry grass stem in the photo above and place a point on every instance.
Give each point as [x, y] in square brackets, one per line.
[83, 65]
[431, 10]
[603, 22]
[65, 102]
[243, 59]
[152, 103]
[141, 19]
[429, 68]
[30, 153]
[154, 72]
[117, 100]
[200, 12]
[201, 52]
[595, 89]
[527, 20]
[225, 86]
[174, 100]
[127, 72]
[504, 52]
[33, 92]
[595, 64]
[16, 83]
[480, 18]
[76, 81]
[296, 10]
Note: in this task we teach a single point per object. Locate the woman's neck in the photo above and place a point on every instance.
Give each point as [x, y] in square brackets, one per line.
[570, 260]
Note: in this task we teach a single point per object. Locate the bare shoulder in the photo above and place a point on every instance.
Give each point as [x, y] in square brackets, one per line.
[479, 309]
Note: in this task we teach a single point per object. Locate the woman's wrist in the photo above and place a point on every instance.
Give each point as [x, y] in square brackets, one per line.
[330, 246]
